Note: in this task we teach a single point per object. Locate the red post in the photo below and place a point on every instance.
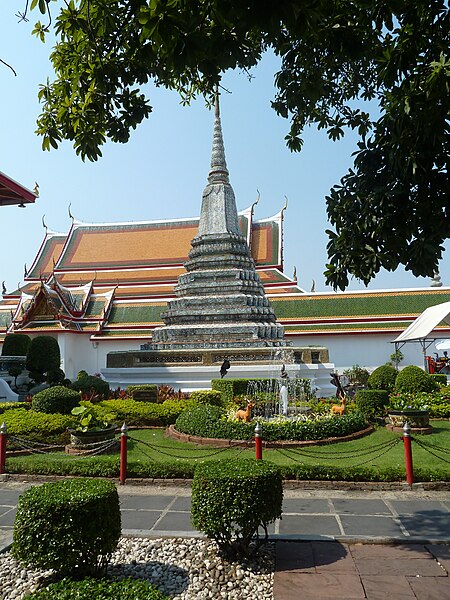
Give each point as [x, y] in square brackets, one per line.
[3, 437]
[408, 453]
[123, 454]
[258, 441]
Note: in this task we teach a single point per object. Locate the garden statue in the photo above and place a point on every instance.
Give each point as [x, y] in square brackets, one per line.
[284, 392]
[244, 415]
[224, 368]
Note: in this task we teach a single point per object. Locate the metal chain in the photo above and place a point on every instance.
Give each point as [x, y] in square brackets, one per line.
[351, 454]
[427, 449]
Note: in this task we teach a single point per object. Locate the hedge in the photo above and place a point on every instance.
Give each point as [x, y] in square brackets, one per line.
[149, 390]
[213, 397]
[231, 500]
[108, 466]
[414, 379]
[36, 426]
[383, 378]
[90, 588]
[57, 399]
[210, 421]
[145, 413]
[4, 406]
[70, 526]
[371, 402]
[89, 384]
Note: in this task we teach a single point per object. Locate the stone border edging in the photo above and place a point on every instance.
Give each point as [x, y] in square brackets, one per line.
[224, 443]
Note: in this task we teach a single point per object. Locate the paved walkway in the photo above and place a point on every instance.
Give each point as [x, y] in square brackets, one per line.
[329, 544]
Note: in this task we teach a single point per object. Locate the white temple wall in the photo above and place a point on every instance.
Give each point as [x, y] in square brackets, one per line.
[368, 351]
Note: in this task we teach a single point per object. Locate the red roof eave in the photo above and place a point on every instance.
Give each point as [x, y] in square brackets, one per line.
[12, 192]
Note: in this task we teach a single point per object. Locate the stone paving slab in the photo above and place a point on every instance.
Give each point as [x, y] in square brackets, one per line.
[324, 570]
[368, 525]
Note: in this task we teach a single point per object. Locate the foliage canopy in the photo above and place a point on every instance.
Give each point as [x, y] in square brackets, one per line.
[391, 208]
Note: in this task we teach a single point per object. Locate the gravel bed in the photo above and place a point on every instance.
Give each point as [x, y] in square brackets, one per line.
[185, 569]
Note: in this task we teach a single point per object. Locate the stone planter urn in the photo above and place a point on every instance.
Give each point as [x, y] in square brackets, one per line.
[83, 442]
[419, 420]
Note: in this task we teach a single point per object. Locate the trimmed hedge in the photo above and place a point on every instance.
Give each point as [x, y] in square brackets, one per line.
[32, 425]
[212, 397]
[232, 499]
[383, 378]
[89, 384]
[4, 406]
[108, 466]
[90, 588]
[57, 399]
[439, 378]
[371, 402]
[145, 413]
[210, 421]
[414, 379]
[71, 526]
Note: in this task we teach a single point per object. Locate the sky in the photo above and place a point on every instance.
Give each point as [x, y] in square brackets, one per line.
[161, 172]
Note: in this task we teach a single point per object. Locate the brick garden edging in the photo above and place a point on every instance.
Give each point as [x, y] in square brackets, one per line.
[224, 443]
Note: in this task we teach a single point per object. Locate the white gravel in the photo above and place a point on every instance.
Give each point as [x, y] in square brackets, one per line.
[185, 569]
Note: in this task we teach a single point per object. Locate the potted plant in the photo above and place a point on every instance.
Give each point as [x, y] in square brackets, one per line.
[90, 427]
[407, 407]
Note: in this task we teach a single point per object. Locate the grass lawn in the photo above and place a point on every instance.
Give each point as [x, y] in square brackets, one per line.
[150, 454]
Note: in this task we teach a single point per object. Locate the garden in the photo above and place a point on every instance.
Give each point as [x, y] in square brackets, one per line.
[72, 429]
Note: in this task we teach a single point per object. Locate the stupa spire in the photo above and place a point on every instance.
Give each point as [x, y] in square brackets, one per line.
[218, 213]
[218, 172]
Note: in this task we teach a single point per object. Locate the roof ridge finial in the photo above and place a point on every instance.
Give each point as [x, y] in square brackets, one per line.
[218, 172]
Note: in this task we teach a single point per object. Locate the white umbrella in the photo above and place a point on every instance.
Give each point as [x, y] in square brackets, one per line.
[443, 345]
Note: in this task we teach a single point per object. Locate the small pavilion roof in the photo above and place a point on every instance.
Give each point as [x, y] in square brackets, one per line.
[12, 192]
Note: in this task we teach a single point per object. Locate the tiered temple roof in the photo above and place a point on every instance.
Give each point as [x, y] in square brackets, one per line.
[125, 272]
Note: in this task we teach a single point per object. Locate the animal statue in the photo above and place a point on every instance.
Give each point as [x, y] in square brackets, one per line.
[224, 368]
[339, 408]
[244, 415]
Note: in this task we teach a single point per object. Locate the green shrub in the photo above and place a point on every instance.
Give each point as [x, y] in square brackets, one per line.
[212, 397]
[57, 399]
[90, 588]
[383, 378]
[35, 425]
[146, 392]
[210, 421]
[371, 402]
[16, 344]
[439, 378]
[231, 500]
[145, 413]
[71, 526]
[4, 406]
[43, 356]
[414, 379]
[89, 385]
[357, 375]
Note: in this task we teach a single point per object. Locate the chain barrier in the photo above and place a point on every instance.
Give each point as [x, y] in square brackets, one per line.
[35, 447]
[157, 448]
[386, 447]
[428, 447]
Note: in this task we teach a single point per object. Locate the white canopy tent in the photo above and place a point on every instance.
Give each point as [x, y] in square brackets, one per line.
[420, 329]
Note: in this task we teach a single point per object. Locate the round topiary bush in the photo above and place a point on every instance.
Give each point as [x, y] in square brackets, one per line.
[371, 403]
[383, 378]
[16, 344]
[414, 379]
[94, 387]
[71, 526]
[231, 500]
[57, 399]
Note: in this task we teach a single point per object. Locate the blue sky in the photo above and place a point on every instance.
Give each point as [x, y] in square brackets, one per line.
[161, 172]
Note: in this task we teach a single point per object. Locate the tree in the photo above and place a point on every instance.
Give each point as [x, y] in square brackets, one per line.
[392, 208]
[16, 344]
[43, 358]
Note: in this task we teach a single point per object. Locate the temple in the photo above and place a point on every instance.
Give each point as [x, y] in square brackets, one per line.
[215, 282]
